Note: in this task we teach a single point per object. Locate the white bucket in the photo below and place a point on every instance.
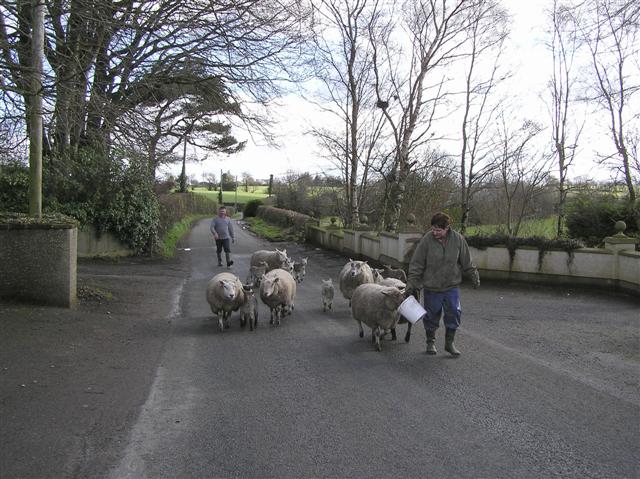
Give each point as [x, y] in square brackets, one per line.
[412, 310]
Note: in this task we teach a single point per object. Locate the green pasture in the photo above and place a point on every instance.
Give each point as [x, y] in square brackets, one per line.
[542, 227]
[242, 197]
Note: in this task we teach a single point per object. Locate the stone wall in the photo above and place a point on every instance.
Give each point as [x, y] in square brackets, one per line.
[39, 264]
[616, 266]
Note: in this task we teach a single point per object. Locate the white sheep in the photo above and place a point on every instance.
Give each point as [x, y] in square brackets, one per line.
[353, 274]
[300, 269]
[327, 294]
[256, 273]
[377, 307]
[278, 292]
[274, 259]
[249, 309]
[224, 295]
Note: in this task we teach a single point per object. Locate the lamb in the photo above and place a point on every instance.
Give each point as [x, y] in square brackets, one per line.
[278, 292]
[353, 274]
[389, 272]
[377, 275]
[256, 273]
[300, 269]
[327, 294]
[249, 309]
[224, 295]
[274, 259]
[377, 307]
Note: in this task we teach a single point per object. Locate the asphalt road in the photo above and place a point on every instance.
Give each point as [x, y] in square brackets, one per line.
[547, 386]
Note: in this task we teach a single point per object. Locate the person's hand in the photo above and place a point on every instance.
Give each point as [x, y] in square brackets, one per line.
[475, 280]
[410, 292]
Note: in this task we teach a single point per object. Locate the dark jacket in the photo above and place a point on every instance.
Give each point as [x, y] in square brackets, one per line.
[439, 267]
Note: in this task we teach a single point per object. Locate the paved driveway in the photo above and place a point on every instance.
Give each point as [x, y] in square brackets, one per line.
[547, 386]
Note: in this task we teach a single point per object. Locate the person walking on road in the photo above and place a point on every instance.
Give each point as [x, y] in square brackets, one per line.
[222, 230]
[437, 265]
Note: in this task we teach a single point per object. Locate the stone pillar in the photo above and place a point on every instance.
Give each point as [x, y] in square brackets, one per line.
[617, 244]
[619, 241]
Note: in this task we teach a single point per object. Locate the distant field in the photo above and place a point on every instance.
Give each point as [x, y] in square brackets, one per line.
[544, 227]
[254, 193]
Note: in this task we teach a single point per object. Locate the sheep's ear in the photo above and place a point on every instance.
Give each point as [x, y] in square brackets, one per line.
[276, 279]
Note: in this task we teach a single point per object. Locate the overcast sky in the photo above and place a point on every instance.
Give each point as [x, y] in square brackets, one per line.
[530, 62]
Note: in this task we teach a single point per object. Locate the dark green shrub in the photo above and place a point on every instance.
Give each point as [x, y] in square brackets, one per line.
[591, 217]
[112, 193]
[251, 208]
[14, 187]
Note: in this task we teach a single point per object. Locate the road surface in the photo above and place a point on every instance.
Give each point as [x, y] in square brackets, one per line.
[547, 386]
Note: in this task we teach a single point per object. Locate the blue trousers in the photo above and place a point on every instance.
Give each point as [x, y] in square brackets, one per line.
[435, 302]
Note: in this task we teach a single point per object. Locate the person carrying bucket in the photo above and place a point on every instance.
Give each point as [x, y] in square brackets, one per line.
[441, 258]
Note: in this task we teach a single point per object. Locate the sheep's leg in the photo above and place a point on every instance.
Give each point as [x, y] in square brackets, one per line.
[324, 307]
[393, 334]
[271, 317]
[377, 334]
[221, 321]
[407, 336]
[360, 326]
[243, 321]
[279, 315]
[226, 320]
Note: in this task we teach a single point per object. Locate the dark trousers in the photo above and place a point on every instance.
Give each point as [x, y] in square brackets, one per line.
[435, 302]
[222, 244]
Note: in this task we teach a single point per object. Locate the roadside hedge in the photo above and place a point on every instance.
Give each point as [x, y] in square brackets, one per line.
[283, 218]
[175, 206]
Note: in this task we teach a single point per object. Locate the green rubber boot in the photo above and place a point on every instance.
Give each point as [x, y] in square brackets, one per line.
[431, 342]
[449, 345]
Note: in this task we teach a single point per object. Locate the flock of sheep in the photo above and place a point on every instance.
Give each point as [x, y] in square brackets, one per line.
[374, 294]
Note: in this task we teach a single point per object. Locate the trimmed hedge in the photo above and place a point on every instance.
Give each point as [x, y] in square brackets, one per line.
[283, 218]
[175, 206]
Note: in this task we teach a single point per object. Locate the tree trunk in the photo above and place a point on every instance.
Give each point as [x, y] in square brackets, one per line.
[34, 114]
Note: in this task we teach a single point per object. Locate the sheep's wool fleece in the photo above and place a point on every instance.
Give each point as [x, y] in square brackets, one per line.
[370, 305]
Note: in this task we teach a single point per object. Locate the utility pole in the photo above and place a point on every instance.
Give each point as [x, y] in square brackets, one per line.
[236, 204]
[35, 111]
[220, 192]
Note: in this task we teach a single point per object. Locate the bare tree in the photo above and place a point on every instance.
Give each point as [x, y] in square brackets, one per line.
[343, 64]
[409, 92]
[564, 131]
[612, 40]
[108, 58]
[522, 172]
[487, 32]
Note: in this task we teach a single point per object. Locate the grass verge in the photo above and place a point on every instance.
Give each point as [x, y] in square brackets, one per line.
[270, 232]
[176, 233]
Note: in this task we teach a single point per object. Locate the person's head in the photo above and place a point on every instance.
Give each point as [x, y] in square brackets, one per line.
[440, 223]
[222, 212]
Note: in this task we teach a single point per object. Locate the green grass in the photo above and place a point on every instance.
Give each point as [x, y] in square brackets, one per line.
[230, 196]
[176, 233]
[543, 227]
[268, 231]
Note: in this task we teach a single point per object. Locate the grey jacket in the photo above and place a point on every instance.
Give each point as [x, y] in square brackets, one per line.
[223, 227]
[439, 267]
